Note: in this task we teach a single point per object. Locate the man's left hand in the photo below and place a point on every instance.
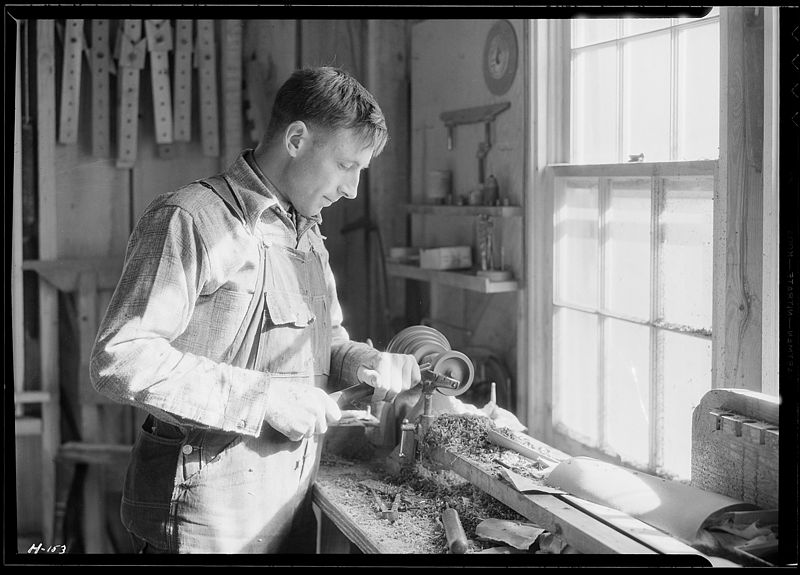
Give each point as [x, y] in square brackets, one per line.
[390, 374]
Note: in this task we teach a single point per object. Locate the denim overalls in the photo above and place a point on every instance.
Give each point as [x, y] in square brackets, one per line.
[193, 490]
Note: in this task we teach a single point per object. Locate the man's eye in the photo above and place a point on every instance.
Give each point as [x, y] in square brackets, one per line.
[344, 166]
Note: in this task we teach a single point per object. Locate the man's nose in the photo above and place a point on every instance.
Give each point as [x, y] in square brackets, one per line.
[349, 187]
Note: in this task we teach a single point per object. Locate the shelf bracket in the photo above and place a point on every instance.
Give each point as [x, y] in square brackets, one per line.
[485, 114]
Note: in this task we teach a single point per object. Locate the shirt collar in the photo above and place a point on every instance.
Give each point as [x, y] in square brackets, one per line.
[258, 193]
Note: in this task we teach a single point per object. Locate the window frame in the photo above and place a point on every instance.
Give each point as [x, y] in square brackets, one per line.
[547, 49]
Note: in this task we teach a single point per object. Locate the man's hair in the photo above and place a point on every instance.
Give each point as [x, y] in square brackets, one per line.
[328, 98]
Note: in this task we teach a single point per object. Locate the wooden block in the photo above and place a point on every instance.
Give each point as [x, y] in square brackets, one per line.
[182, 105]
[71, 81]
[101, 106]
[131, 61]
[48, 248]
[159, 42]
[231, 90]
[207, 65]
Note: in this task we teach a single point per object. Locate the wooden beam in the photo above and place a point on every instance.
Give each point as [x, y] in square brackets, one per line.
[770, 339]
[17, 301]
[63, 274]
[48, 249]
[738, 204]
[583, 532]
[325, 503]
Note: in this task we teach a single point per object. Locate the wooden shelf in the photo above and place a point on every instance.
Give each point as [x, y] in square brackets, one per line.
[449, 210]
[459, 279]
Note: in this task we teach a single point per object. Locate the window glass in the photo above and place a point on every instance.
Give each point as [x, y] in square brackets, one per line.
[632, 26]
[687, 252]
[686, 362]
[627, 248]
[575, 363]
[594, 106]
[627, 390]
[646, 98]
[575, 242]
[698, 93]
[591, 31]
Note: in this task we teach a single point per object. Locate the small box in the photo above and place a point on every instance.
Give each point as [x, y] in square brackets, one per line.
[447, 258]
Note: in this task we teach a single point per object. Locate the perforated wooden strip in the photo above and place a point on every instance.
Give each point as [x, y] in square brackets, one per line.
[159, 43]
[131, 61]
[100, 58]
[182, 107]
[231, 89]
[71, 81]
[206, 63]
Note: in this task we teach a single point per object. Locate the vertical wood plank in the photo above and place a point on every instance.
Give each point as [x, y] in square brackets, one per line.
[206, 54]
[231, 91]
[182, 105]
[131, 61]
[389, 179]
[770, 338]
[48, 249]
[94, 490]
[17, 302]
[71, 81]
[101, 59]
[738, 211]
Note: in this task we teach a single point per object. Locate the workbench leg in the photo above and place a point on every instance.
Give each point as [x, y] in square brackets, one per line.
[329, 538]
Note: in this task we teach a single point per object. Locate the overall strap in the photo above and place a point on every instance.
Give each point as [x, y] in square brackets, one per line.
[243, 349]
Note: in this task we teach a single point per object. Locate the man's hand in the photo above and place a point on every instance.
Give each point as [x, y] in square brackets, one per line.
[390, 374]
[299, 411]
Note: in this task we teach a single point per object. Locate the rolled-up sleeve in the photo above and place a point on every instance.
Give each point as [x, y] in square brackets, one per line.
[134, 361]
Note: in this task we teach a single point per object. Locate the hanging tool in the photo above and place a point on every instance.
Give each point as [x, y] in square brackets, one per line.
[485, 114]
[454, 531]
[386, 513]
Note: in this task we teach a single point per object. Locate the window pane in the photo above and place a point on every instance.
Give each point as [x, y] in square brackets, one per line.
[627, 390]
[641, 25]
[575, 239]
[575, 374]
[627, 248]
[687, 251]
[646, 98]
[594, 105]
[686, 378]
[698, 92]
[590, 31]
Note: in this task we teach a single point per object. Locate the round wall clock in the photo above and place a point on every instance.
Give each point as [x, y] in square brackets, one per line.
[500, 56]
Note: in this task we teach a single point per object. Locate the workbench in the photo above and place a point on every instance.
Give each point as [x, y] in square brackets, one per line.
[348, 520]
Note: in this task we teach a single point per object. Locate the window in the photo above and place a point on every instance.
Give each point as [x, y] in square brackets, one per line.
[645, 86]
[633, 239]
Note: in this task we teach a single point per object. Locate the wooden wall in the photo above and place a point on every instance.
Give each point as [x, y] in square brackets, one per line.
[447, 75]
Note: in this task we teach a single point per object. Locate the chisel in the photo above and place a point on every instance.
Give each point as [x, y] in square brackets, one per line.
[454, 531]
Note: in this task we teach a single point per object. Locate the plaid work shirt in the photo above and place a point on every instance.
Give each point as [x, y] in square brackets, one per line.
[189, 275]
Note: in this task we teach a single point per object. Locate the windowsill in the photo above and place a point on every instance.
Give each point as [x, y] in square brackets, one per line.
[670, 168]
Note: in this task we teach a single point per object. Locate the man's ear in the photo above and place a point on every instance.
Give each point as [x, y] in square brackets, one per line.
[296, 137]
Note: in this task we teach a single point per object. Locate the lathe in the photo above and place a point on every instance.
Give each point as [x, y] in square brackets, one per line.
[412, 477]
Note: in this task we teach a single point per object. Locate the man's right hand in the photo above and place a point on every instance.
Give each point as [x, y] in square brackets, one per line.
[299, 411]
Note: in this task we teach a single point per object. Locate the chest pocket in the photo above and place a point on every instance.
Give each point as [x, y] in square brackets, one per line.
[295, 334]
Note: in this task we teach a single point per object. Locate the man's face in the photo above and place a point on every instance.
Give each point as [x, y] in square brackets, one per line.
[326, 166]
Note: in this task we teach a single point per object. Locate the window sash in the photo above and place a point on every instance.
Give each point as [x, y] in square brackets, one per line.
[602, 175]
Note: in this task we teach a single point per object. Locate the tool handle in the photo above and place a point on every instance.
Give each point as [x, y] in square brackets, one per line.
[352, 393]
[454, 531]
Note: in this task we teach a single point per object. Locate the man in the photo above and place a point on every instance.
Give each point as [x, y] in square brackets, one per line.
[226, 328]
